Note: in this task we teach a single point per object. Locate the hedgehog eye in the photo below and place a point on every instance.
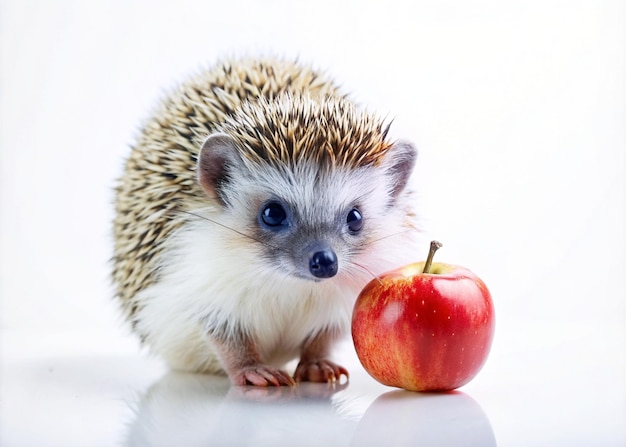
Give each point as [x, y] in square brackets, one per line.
[273, 215]
[354, 221]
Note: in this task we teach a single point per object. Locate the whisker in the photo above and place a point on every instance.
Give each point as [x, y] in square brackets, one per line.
[365, 269]
[230, 229]
[392, 235]
[354, 275]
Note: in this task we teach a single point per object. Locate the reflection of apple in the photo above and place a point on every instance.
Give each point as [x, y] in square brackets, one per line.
[424, 327]
[403, 418]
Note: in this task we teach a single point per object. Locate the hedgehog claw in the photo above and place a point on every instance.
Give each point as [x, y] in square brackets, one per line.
[319, 371]
[262, 375]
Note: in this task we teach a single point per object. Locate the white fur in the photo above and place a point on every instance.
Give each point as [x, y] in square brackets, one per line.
[210, 275]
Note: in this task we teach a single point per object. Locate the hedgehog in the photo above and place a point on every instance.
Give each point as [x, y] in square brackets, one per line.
[255, 204]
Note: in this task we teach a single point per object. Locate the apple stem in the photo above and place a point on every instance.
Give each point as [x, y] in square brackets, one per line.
[434, 246]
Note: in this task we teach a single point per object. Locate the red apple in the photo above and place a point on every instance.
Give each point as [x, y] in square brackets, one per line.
[424, 327]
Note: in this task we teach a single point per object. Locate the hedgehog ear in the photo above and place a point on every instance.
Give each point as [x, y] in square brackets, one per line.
[399, 162]
[217, 155]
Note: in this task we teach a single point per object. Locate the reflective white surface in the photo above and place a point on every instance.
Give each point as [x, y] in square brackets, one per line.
[92, 388]
[518, 111]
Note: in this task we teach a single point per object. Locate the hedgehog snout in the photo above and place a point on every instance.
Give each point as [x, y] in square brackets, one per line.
[323, 262]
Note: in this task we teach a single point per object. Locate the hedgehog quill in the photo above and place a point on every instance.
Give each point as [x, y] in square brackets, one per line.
[255, 204]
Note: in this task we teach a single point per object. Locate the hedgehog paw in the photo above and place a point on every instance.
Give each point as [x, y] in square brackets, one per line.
[319, 371]
[262, 375]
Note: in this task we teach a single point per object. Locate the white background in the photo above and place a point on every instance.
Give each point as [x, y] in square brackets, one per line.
[517, 108]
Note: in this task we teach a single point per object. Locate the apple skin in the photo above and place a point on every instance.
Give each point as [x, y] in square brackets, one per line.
[424, 331]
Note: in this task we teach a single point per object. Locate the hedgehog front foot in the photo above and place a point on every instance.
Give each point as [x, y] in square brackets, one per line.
[319, 371]
[262, 375]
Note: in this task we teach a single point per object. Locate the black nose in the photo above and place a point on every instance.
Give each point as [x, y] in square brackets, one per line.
[323, 264]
